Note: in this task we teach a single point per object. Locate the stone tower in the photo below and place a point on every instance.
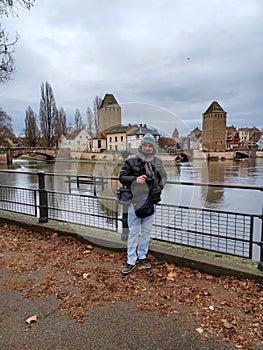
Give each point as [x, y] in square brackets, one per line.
[214, 128]
[109, 113]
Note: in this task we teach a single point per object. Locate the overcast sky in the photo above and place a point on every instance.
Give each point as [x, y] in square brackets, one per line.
[165, 61]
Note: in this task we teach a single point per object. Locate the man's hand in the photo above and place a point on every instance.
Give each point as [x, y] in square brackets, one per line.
[141, 179]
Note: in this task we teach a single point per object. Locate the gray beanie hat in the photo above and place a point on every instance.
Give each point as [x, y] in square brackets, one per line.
[148, 138]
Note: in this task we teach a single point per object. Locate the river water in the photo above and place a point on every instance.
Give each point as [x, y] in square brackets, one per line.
[247, 172]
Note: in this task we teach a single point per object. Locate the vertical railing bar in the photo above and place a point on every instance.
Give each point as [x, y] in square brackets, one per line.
[35, 202]
[251, 236]
[260, 264]
[43, 205]
[116, 214]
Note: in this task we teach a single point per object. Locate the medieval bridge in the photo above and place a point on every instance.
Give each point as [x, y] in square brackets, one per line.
[49, 153]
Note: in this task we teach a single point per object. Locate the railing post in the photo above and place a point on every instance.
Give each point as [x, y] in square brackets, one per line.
[9, 158]
[94, 178]
[43, 205]
[260, 264]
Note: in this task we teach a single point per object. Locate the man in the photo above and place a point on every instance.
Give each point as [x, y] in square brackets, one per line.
[145, 175]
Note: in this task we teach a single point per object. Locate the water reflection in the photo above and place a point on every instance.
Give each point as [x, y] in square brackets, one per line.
[249, 172]
[215, 173]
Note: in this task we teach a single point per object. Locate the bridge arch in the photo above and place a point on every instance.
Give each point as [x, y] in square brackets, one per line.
[48, 153]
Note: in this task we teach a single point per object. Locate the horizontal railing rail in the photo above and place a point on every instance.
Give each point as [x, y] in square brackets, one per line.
[225, 232]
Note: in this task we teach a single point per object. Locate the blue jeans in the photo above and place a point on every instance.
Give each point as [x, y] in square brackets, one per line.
[139, 236]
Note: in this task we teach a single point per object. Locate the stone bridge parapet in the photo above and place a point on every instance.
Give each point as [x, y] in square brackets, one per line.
[48, 152]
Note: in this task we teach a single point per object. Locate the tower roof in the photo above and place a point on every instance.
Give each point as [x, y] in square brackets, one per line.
[109, 100]
[214, 108]
[143, 129]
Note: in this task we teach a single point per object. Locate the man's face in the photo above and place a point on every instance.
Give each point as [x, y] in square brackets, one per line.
[147, 148]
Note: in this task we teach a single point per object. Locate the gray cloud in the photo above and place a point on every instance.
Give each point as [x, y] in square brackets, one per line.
[177, 55]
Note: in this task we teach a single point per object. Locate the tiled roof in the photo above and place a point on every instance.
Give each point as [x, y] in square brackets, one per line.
[142, 130]
[214, 108]
[121, 129]
[74, 134]
[109, 100]
[102, 134]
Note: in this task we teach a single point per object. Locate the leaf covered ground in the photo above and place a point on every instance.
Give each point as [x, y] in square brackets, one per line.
[83, 277]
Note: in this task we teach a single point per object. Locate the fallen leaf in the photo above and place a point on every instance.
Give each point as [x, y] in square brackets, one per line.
[228, 325]
[171, 276]
[200, 330]
[32, 319]
[169, 267]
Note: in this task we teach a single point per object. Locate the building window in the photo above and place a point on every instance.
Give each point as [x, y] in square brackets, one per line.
[99, 143]
[116, 138]
[121, 138]
[110, 139]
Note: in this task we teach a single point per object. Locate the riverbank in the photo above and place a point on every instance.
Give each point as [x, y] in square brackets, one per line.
[117, 158]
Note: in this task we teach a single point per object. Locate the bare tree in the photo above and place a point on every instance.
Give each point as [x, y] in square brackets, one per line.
[90, 120]
[6, 128]
[31, 130]
[78, 120]
[11, 6]
[70, 127]
[96, 105]
[61, 123]
[47, 113]
[7, 61]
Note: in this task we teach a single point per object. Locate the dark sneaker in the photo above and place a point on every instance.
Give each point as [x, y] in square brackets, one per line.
[127, 269]
[145, 263]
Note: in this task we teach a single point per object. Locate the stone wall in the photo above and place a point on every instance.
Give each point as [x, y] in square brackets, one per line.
[101, 156]
[213, 155]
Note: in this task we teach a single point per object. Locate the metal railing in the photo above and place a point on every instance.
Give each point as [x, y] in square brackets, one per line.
[225, 232]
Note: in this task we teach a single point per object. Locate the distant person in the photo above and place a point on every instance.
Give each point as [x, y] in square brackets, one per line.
[145, 175]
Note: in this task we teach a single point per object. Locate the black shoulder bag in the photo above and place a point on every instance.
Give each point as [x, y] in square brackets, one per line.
[124, 196]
